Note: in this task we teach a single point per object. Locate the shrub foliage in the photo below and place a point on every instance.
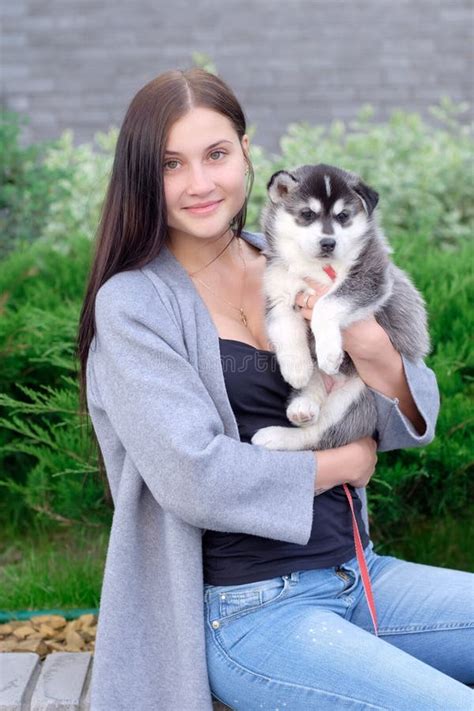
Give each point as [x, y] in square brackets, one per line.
[50, 197]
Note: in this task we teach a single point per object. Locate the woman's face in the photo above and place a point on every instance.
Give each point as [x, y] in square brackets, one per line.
[204, 163]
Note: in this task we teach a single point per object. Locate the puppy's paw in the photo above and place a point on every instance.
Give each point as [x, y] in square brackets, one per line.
[270, 437]
[329, 360]
[295, 370]
[303, 411]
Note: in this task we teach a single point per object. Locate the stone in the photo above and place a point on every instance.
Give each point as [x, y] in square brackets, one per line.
[52, 620]
[23, 631]
[31, 645]
[46, 630]
[74, 641]
[61, 682]
[18, 673]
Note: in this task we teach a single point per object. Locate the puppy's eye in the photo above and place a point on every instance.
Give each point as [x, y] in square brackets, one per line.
[307, 214]
[342, 216]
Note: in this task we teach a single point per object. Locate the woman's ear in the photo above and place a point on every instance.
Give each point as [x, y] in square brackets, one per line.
[245, 143]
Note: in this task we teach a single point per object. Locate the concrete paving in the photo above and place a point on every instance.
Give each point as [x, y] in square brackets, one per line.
[60, 683]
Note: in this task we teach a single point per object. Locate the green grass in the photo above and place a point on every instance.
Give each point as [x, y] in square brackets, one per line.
[61, 569]
[447, 542]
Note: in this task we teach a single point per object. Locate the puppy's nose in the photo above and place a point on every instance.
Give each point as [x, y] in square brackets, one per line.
[327, 244]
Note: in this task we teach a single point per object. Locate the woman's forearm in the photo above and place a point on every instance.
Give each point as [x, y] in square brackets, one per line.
[387, 375]
[354, 464]
[333, 467]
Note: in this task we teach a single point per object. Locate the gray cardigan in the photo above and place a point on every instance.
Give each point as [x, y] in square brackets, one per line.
[176, 466]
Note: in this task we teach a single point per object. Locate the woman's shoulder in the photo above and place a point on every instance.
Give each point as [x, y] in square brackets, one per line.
[128, 288]
[132, 294]
[257, 239]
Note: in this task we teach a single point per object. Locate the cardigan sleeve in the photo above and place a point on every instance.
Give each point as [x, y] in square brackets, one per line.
[395, 431]
[167, 421]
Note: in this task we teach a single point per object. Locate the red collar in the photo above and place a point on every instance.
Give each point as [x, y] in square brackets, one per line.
[330, 272]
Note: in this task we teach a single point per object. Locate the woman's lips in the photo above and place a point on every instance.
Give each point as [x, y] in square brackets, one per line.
[204, 210]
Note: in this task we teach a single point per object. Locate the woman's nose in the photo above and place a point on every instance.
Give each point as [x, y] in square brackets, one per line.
[200, 180]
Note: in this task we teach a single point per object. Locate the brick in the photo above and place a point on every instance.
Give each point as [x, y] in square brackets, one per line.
[13, 9]
[13, 39]
[305, 59]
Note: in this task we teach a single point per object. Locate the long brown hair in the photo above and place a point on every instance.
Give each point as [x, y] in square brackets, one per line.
[133, 224]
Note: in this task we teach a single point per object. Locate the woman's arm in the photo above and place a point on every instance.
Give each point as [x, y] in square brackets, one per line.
[406, 392]
[380, 366]
[142, 386]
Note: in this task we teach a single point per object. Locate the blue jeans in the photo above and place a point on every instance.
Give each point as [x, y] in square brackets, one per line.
[305, 641]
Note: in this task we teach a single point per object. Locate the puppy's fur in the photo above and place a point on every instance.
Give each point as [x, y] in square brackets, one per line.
[320, 215]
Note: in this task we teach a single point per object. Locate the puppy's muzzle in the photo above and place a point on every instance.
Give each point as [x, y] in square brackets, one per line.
[327, 245]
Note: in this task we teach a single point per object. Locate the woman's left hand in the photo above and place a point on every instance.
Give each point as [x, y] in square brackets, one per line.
[364, 339]
[306, 306]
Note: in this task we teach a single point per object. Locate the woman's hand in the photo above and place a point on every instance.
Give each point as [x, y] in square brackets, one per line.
[364, 460]
[353, 463]
[361, 340]
[307, 305]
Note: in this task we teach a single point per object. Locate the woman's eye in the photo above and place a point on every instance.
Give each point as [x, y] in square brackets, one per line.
[173, 164]
[307, 214]
[219, 152]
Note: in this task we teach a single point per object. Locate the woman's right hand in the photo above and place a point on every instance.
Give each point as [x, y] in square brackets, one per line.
[353, 463]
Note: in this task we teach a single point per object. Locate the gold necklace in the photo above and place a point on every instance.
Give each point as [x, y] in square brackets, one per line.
[214, 258]
[243, 317]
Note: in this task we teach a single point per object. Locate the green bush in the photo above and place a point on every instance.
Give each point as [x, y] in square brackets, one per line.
[423, 175]
[27, 186]
[45, 451]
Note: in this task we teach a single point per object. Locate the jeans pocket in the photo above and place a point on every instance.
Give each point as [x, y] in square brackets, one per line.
[234, 603]
[350, 578]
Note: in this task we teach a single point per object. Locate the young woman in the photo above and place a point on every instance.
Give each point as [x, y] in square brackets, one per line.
[225, 573]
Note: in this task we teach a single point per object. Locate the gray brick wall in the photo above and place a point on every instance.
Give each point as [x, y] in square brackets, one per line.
[77, 63]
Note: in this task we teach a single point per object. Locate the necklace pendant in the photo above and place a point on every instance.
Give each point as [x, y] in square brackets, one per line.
[243, 317]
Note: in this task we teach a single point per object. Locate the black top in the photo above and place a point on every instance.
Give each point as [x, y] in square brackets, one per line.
[259, 395]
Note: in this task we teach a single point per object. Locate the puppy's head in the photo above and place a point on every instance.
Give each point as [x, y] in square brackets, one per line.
[319, 210]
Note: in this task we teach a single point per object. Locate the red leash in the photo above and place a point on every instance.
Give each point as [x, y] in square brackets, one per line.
[362, 564]
[357, 540]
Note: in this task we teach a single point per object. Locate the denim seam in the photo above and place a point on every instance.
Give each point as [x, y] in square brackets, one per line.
[232, 663]
[413, 629]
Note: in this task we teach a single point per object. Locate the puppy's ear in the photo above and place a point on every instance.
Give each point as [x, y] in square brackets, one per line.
[280, 185]
[368, 196]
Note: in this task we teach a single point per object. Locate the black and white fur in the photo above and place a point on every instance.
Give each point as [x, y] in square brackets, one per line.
[321, 215]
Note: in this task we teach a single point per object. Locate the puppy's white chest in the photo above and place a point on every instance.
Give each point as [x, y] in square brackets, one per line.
[331, 274]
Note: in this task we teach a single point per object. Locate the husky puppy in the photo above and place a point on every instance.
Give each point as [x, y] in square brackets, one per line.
[319, 222]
